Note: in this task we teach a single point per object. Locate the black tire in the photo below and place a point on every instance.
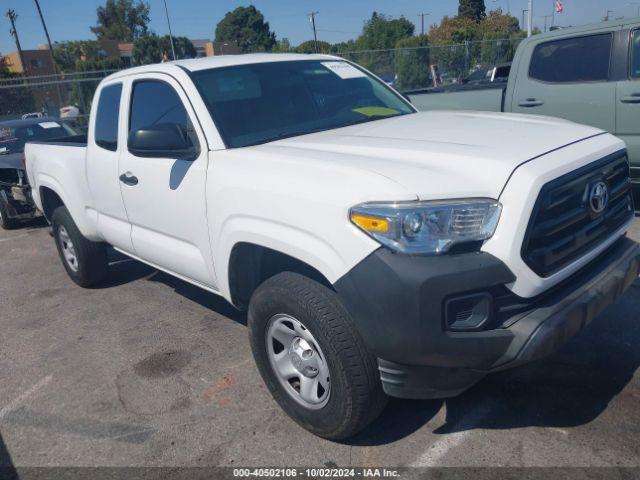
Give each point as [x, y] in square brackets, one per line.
[356, 397]
[5, 222]
[91, 265]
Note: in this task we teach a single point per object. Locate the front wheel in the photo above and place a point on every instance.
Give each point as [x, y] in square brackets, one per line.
[311, 357]
[85, 261]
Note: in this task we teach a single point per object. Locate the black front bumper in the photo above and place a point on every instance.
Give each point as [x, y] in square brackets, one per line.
[397, 303]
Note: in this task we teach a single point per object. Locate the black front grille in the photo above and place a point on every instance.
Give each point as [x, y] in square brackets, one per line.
[563, 226]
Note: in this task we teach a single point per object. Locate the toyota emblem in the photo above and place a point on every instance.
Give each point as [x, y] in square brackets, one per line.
[599, 197]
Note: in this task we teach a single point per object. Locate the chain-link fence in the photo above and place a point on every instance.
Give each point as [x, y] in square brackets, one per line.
[69, 95]
[63, 95]
[423, 67]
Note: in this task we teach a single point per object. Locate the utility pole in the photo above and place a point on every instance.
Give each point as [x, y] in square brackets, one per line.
[53, 62]
[606, 17]
[530, 19]
[546, 17]
[523, 23]
[173, 49]
[312, 19]
[12, 16]
[422, 15]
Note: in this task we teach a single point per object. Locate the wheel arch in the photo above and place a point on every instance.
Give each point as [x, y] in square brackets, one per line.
[50, 200]
[251, 264]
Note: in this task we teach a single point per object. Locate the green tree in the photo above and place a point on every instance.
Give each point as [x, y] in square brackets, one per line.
[155, 49]
[122, 20]
[246, 27]
[310, 47]
[412, 63]
[282, 46]
[472, 9]
[501, 36]
[83, 55]
[348, 46]
[381, 32]
[456, 45]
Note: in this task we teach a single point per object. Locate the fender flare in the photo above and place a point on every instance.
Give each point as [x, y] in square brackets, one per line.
[78, 213]
[289, 240]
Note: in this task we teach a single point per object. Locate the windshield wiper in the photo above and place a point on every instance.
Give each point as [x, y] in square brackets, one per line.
[283, 135]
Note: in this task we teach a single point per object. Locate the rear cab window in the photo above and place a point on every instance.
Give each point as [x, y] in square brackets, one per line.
[573, 60]
[106, 129]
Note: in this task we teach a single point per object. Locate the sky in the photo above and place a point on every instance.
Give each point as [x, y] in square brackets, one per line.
[337, 20]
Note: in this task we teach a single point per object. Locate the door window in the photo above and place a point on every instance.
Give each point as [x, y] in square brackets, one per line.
[635, 55]
[570, 60]
[155, 103]
[106, 131]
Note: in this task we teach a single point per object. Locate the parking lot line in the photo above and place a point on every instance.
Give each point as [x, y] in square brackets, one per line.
[462, 430]
[22, 397]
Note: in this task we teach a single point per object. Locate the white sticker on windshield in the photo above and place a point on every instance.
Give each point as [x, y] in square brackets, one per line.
[49, 124]
[344, 70]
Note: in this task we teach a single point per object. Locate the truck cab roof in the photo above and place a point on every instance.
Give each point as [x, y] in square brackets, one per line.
[571, 31]
[205, 63]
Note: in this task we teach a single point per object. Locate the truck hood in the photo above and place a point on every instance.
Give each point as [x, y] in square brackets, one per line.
[439, 154]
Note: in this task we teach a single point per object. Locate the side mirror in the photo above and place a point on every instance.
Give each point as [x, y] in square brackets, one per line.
[164, 140]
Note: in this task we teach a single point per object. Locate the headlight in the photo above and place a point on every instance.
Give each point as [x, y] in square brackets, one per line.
[428, 227]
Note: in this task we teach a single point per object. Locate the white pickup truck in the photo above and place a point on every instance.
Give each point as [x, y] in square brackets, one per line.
[379, 251]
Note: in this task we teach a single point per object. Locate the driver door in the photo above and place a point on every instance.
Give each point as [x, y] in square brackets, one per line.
[165, 196]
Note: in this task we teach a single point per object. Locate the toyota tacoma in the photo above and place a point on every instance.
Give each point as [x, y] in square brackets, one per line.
[379, 251]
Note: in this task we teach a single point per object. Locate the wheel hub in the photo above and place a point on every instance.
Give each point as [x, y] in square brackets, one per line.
[303, 357]
[297, 361]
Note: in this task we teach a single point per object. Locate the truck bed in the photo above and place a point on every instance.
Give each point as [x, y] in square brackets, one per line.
[69, 141]
[486, 97]
[59, 165]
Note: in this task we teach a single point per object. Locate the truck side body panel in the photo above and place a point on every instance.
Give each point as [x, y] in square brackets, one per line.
[485, 100]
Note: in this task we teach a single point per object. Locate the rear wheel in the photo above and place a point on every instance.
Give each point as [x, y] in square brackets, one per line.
[85, 261]
[311, 357]
[5, 222]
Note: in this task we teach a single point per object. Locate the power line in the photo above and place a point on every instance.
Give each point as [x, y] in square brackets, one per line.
[312, 18]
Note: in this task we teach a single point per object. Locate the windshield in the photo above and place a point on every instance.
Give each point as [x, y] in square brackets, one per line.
[258, 103]
[12, 139]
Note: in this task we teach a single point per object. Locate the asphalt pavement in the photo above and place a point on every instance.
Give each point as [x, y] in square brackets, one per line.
[147, 370]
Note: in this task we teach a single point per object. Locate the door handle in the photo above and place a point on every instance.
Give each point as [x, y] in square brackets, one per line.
[633, 98]
[128, 179]
[531, 102]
